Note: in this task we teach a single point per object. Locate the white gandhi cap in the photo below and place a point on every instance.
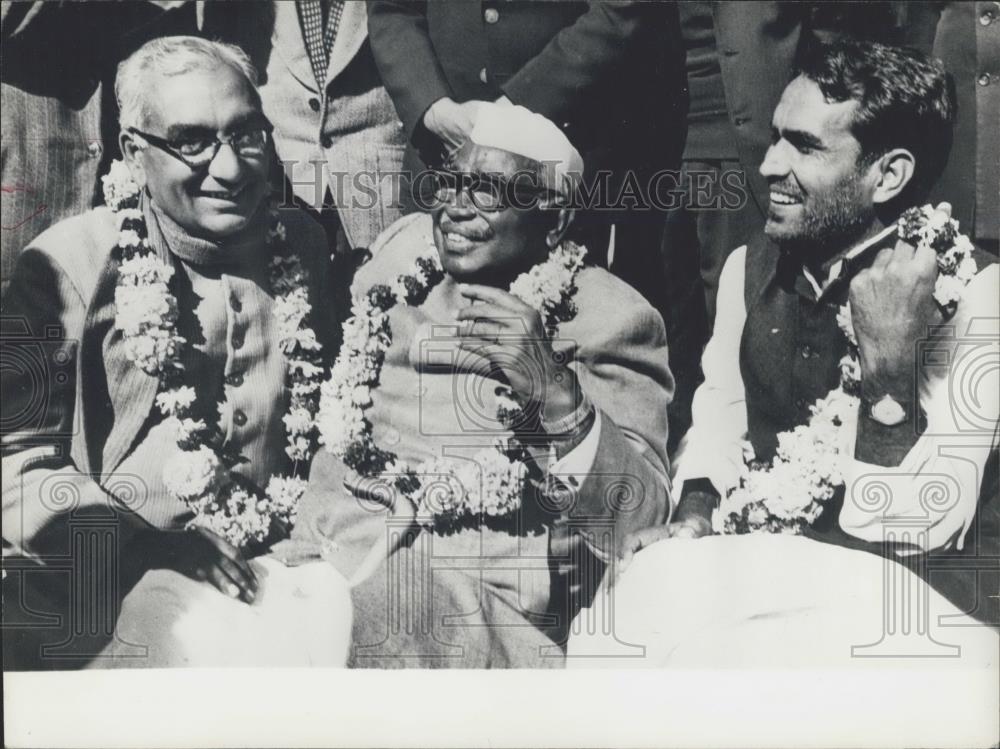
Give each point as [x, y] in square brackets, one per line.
[518, 130]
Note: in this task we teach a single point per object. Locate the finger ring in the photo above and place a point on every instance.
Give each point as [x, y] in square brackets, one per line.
[233, 590]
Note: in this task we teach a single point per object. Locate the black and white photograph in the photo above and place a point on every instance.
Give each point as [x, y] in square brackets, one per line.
[500, 373]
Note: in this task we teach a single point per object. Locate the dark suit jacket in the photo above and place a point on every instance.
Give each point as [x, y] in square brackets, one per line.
[955, 33]
[610, 74]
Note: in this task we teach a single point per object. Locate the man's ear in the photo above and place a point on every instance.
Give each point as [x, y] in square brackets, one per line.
[894, 170]
[132, 152]
[556, 234]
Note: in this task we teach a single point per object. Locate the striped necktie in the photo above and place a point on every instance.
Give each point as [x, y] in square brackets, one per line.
[319, 20]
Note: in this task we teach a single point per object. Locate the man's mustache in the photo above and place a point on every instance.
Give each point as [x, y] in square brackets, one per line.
[448, 227]
[785, 189]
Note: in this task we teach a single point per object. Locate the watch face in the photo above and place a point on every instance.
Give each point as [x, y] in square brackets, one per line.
[888, 411]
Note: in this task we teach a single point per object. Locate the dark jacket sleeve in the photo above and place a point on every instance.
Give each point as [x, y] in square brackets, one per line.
[875, 20]
[406, 59]
[583, 57]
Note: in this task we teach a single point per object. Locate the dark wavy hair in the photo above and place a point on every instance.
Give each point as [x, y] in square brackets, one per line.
[905, 100]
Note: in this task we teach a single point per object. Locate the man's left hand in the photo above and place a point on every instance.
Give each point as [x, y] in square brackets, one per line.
[505, 330]
[892, 307]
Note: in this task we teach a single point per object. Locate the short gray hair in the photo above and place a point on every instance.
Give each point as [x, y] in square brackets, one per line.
[168, 56]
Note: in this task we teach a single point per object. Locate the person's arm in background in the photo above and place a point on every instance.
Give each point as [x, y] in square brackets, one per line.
[82, 31]
[412, 75]
[16, 17]
[875, 20]
[919, 24]
[580, 61]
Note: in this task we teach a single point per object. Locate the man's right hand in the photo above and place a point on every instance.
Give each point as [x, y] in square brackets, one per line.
[693, 527]
[450, 121]
[691, 520]
[201, 555]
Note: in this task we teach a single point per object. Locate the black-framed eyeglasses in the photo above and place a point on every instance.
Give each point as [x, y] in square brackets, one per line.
[489, 192]
[198, 151]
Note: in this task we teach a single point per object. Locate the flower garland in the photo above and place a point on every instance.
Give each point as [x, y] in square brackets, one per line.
[789, 494]
[445, 491]
[201, 474]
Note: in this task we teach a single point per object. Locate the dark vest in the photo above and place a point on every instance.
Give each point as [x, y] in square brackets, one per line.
[790, 349]
[789, 356]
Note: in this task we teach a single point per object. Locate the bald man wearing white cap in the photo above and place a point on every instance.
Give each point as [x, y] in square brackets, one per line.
[493, 579]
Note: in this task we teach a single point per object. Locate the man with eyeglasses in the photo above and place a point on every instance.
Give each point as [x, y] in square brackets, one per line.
[584, 358]
[83, 417]
[337, 133]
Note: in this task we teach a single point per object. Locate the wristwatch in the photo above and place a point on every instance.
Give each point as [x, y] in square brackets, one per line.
[569, 424]
[887, 411]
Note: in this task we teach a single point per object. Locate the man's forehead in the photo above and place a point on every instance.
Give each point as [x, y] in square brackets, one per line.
[803, 108]
[472, 157]
[201, 98]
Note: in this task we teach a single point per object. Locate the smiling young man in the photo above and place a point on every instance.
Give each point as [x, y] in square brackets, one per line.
[198, 147]
[495, 588]
[860, 135]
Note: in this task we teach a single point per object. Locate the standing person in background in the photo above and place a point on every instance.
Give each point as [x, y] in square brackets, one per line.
[609, 74]
[739, 57]
[58, 120]
[335, 128]
[966, 38]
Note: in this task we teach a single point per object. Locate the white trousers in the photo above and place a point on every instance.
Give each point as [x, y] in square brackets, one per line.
[772, 602]
[301, 616]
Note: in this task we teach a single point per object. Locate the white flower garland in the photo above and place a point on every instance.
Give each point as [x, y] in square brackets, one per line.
[788, 495]
[200, 474]
[445, 491]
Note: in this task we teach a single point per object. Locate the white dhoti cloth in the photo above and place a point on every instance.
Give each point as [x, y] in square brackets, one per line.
[774, 602]
[301, 616]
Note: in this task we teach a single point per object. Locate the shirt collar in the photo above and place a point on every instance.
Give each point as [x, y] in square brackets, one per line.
[844, 264]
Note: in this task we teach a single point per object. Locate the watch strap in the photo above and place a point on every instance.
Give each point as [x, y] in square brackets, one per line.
[571, 422]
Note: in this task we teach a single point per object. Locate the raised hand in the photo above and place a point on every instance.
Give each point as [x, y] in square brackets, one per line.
[451, 121]
[892, 307]
[511, 334]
